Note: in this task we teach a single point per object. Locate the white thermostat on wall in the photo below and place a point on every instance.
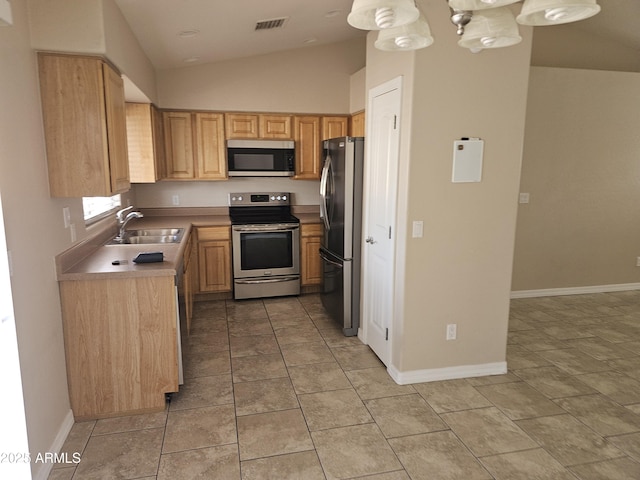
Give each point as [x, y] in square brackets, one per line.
[467, 160]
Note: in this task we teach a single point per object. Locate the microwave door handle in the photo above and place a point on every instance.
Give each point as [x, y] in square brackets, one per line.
[324, 194]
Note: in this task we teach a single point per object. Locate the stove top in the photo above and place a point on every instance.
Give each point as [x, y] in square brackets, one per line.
[260, 208]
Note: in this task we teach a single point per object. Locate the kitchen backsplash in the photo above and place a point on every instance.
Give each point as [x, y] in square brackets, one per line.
[215, 194]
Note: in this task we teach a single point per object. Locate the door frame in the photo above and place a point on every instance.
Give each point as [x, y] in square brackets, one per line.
[388, 86]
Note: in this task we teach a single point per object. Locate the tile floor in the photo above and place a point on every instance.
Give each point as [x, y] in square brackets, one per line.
[274, 391]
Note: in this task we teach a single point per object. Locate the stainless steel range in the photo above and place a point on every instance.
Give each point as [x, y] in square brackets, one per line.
[266, 245]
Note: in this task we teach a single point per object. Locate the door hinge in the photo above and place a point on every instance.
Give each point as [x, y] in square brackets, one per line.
[386, 334]
[389, 232]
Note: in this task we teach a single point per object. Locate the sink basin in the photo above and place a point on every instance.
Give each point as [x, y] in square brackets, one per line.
[150, 236]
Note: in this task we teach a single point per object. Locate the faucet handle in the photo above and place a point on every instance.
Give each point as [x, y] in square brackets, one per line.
[120, 213]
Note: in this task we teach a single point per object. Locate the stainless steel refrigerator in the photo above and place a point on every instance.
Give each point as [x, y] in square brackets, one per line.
[341, 211]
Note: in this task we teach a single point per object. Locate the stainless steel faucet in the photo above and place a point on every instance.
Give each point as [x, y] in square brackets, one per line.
[123, 220]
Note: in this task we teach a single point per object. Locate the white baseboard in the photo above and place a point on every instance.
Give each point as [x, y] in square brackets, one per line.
[555, 292]
[56, 446]
[447, 373]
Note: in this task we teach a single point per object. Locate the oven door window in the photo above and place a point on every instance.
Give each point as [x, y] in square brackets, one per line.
[266, 250]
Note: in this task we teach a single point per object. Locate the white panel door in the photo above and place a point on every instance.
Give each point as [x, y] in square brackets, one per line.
[381, 173]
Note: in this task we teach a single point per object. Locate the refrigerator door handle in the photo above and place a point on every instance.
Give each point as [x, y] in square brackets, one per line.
[324, 194]
[328, 260]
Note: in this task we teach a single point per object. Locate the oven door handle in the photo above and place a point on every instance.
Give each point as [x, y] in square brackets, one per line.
[266, 228]
[266, 280]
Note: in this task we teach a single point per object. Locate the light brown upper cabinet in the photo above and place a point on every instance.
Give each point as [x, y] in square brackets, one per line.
[334, 127]
[308, 147]
[84, 117]
[357, 124]
[145, 140]
[258, 125]
[194, 146]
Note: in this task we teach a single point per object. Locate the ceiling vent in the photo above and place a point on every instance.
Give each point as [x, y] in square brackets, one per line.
[271, 24]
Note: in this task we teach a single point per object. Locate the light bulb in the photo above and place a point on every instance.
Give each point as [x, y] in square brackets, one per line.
[488, 41]
[403, 41]
[555, 14]
[489, 2]
[385, 17]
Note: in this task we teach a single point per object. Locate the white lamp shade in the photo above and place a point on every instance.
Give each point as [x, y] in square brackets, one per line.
[493, 28]
[380, 14]
[478, 4]
[407, 37]
[555, 12]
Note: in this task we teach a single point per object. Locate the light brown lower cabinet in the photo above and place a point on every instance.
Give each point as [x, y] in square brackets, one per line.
[311, 263]
[189, 281]
[214, 259]
[121, 344]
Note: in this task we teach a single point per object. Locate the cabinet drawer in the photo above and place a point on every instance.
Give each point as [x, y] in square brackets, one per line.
[311, 230]
[214, 233]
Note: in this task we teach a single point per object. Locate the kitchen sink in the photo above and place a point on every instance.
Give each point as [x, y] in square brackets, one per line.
[150, 236]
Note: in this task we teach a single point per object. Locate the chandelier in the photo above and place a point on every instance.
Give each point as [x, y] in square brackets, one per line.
[480, 23]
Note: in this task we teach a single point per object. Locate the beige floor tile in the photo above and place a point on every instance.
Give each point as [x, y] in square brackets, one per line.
[451, 395]
[354, 451]
[206, 342]
[290, 335]
[273, 433]
[258, 367]
[77, 438]
[573, 361]
[526, 465]
[356, 357]
[404, 415]
[299, 320]
[335, 338]
[535, 340]
[629, 444]
[121, 455]
[201, 464]
[205, 326]
[249, 345]
[601, 414]
[493, 379]
[62, 473]
[306, 354]
[264, 396]
[200, 427]
[203, 392]
[437, 455]
[618, 469]
[375, 383]
[293, 466]
[519, 400]
[617, 386]
[318, 377]
[614, 331]
[397, 475]
[250, 326]
[553, 382]
[600, 349]
[569, 441]
[519, 357]
[206, 364]
[337, 408]
[130, 423]
[487, 431]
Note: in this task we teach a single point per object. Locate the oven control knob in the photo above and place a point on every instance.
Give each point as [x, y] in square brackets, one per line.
[233, 199]
[239, 199]
[278, 197]
[273, 197]
[284, 197]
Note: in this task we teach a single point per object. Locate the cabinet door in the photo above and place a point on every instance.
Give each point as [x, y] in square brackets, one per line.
[158, 143]
[308, 147]
[357, 125]
[84, 118]
[241, 126]
[210, 149]
[214, 259]
[142, 161]
[178, 138]
[334, 127]
[116, 130]
[275, 126]
[311, 263]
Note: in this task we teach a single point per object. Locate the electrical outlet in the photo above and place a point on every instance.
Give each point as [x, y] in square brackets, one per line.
[452, 331]
[524, 198]
[66, 215]
[176, 199]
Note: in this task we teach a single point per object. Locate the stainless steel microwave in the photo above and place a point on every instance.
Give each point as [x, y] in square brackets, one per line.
[261, 158]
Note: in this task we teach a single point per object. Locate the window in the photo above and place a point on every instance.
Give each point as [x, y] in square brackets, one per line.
[96, 208]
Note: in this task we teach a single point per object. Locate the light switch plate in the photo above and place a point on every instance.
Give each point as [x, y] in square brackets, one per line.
[418, 229]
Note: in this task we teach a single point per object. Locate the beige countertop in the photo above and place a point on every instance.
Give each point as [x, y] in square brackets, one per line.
[93, 259]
